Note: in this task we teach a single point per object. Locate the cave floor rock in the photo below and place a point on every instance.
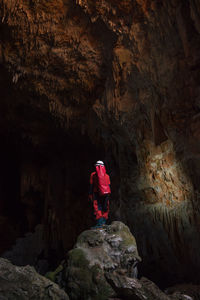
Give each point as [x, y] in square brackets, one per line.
[133, 289]
[24, 283]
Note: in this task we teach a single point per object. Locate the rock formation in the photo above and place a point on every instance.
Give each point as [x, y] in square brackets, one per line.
[102, 265]
[24, 283]
[113, 80]
[96, 253]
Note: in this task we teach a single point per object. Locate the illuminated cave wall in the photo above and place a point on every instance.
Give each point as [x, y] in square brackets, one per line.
[125, 78]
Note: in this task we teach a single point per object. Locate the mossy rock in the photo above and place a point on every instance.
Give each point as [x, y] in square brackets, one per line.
[96, 252]
[88, 237]
[77, 258]
[52, 274]
[84, 282]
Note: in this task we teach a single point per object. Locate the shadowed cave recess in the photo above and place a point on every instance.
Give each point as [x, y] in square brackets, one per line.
[111, 80]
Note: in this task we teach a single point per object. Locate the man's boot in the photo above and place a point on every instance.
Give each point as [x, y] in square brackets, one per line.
[103, 221]
[98, 224]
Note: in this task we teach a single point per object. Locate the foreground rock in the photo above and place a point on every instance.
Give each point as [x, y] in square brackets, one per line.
[103, 265]
[131, 288]
[97, 252]
[134, 289]
[24, 283]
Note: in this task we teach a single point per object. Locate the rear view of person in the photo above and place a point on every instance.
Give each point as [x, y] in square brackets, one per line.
[99, 193]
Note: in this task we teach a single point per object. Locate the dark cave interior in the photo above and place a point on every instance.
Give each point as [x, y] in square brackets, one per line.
[48, 184]
[45, 180]
[82, 81]
[38, 184]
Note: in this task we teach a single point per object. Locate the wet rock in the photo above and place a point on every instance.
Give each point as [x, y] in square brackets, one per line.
[24, 283]
[96, 252]
[131, 288]
[102, 264]
[134, 289]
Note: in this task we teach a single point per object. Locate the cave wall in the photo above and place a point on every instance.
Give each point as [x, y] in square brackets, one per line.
[125, 77]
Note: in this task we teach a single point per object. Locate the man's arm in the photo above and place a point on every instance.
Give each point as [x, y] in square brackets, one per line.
[109, 182]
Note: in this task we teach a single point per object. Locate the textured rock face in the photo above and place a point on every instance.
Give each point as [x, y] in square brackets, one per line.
[95, 253]
[101, 266]
[130, 288]
[125, 78]
[24, 283]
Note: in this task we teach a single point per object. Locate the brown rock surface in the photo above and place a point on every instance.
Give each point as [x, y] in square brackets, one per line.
[114, 77]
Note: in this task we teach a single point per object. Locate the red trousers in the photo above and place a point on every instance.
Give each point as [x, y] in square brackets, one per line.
[101, 206]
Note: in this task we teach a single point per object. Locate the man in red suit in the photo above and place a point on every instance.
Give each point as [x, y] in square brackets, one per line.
[99, 193]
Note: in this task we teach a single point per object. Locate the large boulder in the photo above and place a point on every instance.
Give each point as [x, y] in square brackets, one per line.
[24, 283]
[96, 253]
[103, 265]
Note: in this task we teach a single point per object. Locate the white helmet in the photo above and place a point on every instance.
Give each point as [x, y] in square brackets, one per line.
[99, 163]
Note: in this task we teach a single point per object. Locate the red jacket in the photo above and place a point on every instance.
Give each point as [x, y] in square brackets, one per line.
[94, 184]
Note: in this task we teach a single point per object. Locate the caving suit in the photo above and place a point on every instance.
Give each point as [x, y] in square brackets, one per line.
[99, 193]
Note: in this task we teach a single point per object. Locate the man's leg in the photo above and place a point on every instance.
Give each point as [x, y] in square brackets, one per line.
[105, 207]
[97, 210]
